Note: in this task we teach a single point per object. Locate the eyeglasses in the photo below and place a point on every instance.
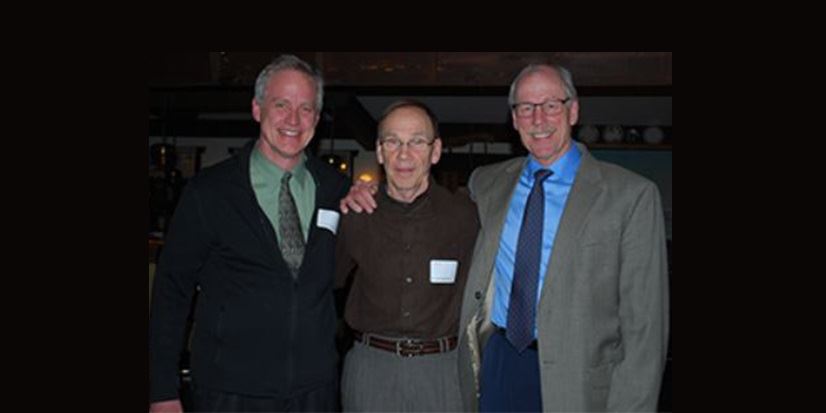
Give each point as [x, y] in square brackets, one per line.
[417, 144]
[549, 107]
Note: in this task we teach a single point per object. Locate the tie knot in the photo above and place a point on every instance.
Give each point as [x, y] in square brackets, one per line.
[541, 174]
[286, 178]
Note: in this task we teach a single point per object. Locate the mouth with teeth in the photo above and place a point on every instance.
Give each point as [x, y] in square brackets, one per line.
[542, 134]
[289, 133]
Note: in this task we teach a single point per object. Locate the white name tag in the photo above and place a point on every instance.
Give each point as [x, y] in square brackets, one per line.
[328, 219]
[443, 271]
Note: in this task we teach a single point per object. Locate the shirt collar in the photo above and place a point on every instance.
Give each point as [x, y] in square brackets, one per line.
[418, 203]
[272, 173]
[564, 169]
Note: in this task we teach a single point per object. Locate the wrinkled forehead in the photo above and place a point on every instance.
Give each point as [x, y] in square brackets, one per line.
[291, 83]
[545, 82]
[406, 120]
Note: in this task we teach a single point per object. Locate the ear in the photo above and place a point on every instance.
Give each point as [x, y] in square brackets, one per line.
[437, 151]
[574, 116]
[513, 121]
[379, 156]
[256, 111]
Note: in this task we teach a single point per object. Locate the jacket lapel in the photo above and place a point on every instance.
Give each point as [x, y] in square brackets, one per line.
[321, 199]
[249, 209]
[495, 211]
[586, 189]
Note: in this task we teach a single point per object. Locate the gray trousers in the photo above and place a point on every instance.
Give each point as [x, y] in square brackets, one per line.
[376, 380]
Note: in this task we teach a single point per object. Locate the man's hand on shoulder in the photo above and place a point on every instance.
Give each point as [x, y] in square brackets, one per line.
[361, 198]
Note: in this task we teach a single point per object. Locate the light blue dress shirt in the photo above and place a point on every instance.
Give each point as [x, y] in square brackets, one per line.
[556, 187]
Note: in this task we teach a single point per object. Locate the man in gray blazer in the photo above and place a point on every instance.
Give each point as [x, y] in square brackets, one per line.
[601, 290]
[566, 303]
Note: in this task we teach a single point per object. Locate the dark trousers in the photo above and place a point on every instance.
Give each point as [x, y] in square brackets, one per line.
[319, 399]
[509, 380]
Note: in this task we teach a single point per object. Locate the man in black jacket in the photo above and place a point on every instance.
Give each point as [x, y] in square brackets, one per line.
[255, 235]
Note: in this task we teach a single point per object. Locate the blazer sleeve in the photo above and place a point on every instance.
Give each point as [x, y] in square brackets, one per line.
[644, 306]
[185, 250]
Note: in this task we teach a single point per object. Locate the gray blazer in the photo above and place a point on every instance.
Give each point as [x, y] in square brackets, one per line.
[603, 310]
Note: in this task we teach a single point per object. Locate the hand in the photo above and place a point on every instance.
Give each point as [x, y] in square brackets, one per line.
[360, 198]
[166, 406]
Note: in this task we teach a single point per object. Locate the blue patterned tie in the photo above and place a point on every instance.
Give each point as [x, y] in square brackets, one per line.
[522, 307]
[292, 239]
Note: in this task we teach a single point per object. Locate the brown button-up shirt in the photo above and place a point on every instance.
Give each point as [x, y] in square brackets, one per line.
[389, 255]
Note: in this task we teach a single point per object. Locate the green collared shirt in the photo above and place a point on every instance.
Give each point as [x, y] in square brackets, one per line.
[266, 182]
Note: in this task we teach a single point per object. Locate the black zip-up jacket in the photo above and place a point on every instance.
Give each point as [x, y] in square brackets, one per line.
[257, 331]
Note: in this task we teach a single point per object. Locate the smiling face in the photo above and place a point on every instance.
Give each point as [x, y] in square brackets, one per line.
[546, 137]
[407, 167]
[288, 117]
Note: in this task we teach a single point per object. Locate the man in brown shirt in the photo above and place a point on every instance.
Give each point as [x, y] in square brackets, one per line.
[409, 263]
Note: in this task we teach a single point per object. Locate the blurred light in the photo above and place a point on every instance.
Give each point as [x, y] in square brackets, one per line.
[343, 166]
[366, 177]
[332, 159]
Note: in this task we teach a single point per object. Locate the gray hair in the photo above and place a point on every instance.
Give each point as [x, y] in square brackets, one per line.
[565, 74]
[289, 62]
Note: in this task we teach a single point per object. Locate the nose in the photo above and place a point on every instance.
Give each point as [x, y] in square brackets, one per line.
[404, 149]
[538, 116]
[293, 117]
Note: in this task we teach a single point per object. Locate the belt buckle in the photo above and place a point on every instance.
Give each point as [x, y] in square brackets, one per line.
[410, 346]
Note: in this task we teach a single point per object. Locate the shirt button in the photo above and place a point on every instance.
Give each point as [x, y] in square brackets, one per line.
[408, 280]
[478, 295]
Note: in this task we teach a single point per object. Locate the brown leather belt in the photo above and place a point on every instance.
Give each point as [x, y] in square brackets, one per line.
[408, 347]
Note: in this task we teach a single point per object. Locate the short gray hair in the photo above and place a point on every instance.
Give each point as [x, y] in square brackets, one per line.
[289, 62]
[565, 74]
